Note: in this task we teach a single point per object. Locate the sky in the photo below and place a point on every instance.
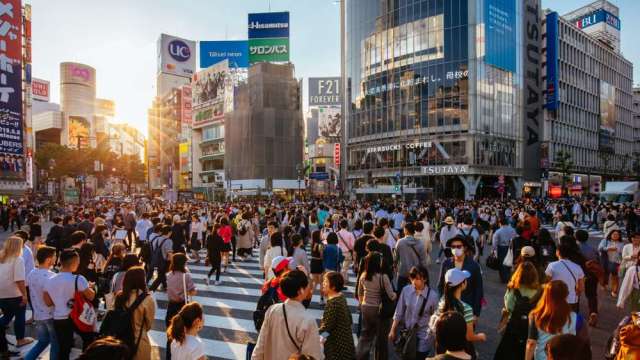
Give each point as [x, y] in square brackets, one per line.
[118, 38]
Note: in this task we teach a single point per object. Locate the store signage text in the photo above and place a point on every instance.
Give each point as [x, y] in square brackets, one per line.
[445, 170]
[179, 50]
[451, 75]
[395, 147]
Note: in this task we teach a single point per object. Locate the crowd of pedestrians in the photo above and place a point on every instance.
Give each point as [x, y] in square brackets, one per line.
[92, 276]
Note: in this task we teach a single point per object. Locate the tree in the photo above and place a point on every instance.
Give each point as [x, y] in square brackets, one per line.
[565, 164]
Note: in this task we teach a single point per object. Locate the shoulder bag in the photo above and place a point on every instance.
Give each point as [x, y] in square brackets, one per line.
[387, 307]
[286, 324]
[407, 344]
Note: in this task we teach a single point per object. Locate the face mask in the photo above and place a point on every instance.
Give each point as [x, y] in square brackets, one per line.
[457, 252]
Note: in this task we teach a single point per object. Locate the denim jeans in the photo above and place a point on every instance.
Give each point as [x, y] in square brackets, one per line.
[13, 307]
[46, 335]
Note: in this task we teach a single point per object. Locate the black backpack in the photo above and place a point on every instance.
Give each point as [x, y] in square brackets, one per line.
[264, 303]
[119, 324]
[243, 229]
[518, 323]
[157, 260]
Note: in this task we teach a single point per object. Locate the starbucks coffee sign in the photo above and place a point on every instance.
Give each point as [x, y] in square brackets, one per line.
[445, 170]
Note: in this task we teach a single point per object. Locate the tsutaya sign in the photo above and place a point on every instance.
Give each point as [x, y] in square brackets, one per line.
[445, 170]
[394, 147]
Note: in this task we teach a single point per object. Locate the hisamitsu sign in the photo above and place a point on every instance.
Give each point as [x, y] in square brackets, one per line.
[269, 25]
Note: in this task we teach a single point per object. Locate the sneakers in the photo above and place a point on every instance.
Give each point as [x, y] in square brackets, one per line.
[207, 281]
[219, 282]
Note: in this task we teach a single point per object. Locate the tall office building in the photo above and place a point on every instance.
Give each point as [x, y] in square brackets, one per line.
[588, 100]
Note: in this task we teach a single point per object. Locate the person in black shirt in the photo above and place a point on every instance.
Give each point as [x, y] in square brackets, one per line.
[360, 246]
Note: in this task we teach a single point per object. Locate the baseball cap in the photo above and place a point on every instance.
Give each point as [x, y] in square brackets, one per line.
[528, 251]
[279, 263]
[449, 220]
[456, 276]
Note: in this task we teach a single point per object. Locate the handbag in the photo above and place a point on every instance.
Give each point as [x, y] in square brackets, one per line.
[508, 259]
[407, 344]
[492, 261]
[387, 307]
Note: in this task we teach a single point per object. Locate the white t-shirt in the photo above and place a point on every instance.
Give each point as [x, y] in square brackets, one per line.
[61, 289]
[190, 349]
[559, 270]
[36, 281]
[10, 272]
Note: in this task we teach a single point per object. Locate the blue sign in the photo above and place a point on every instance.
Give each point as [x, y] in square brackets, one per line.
[179, 50]
[319, 176]
[269, 25]
[11, 112]
[600, 15]
[500, 34]
[236, 51]
[553, 47]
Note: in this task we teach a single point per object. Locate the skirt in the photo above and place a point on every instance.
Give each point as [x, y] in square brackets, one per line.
[195, 243]
[316, 266]
[226, 247]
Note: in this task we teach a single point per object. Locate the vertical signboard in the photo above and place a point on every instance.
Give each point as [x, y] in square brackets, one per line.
[176, 56]
[324, 91]
[553, 47]
[11, 110]
[186, 105]
[336, 154]
[533, 101]
[236, 51]
[500, 33]
[269, 37]
[607, 117]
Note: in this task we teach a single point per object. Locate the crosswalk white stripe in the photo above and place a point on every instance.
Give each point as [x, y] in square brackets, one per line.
[242, 270]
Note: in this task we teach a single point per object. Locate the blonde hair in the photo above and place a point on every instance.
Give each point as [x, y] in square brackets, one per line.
[12, 249]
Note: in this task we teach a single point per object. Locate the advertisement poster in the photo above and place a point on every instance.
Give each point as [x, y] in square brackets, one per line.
[213, 52]
[176, 56]
[500, 34]
[40, 89]
[329, 122]
[208, 86]
[276, 50]
[607, 107]
[269, 25]
[324, 91]
[78, 132]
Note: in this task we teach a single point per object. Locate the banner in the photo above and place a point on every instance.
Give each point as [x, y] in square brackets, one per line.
[553, 51]
[329, 122]
[533, 97]
[40, 89]
[500, 34]
[176, 56]
[213, 52]
[336, 154]
[11, 125]
[324, 91]
[276, 50]
[269, 25]
[78, 132]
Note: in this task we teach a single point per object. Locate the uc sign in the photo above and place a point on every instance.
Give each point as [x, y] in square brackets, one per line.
[179, 50]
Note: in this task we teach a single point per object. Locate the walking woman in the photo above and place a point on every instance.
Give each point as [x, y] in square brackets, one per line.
[523, 292]
[316, 264]
[630, 288]
[135, 297]
[215, 247]
[277, 249]
[178, 281]
[552, 316]
[332, 255]
[13, 292]
[197, 228]
[611, 250]
[372, 284]
[183, 333]
[335, 327]
[225, 233]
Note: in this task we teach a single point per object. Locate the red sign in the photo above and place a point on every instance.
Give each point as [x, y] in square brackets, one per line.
[336, 154]
[40, 89]
[555, 191]
[186, 105]
[11, 18]
[27, 35]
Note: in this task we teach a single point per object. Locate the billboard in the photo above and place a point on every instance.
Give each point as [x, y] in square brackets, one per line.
[276, 50]
[553, 49]
[500, 34]
[607, 116]
[211, 89]
[236, 51]
[78, 132]
[269, 25]
[598, 16]
[176, 56]
[324, 91]
[329, 122]
[11, 125]
[40, 89]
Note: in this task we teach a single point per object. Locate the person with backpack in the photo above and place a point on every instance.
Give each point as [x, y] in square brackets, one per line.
[180, 286]
[133, 315]
[214, 245]
[42, 313]
[70, 295]
[409, 253]
[130, 225]
[523, 292]
[277, 249]
[161, 250]
[332, 255]
[346, 243]
[183, 333]
[472, 234]
[226, 233]
[271, 292]
[245, 236]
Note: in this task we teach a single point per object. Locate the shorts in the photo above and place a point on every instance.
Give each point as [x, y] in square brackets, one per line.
[612, 268]
[226, 247]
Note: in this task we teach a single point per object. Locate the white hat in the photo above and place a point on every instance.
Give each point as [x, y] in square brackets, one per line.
[528, 251]
[456, 276]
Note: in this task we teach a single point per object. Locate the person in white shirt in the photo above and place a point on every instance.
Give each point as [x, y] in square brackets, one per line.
[42, 313]
[568, 272]
[183, 333]
[142, 227]
[448, 231]
[346, 241]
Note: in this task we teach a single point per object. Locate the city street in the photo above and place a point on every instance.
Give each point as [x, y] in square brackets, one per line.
[229, 308]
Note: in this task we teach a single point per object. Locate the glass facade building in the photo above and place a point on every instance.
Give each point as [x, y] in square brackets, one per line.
[434, 96]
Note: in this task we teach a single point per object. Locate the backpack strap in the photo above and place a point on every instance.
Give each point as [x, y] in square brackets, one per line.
[424, 303]
[286, 323]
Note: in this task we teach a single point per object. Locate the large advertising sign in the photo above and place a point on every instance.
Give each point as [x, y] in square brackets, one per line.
[269, 25]
[553, 49]
[607, 116]
[187, 102]
[269, 37]
[324, 91]
[599, 16]
[40, 89]
[236, 51]
[533, 98]
[74, 73]
[176, 56]
[329, 122]
[500, 34]
[78, 132]
[11, 88]
[211, 88]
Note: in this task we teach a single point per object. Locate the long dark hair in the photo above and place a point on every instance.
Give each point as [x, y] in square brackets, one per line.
[183, 321]
[134, 279]
[372, 265]
[450, 302]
